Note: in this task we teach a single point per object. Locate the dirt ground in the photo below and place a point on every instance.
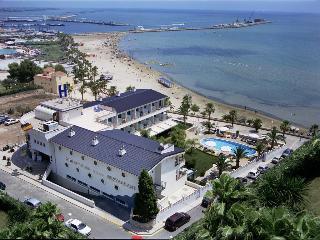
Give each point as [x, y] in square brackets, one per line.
[20, 103]
[23, 102]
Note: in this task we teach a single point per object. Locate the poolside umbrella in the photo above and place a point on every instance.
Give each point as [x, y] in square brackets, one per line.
[226, 149]
[254, 136]
[223, 129]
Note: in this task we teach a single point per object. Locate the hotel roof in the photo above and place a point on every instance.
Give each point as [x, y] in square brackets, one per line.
[141, 153]
[62, 104]
[129, 100]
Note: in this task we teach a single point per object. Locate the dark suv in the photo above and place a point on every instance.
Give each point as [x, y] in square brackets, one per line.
[176, 220]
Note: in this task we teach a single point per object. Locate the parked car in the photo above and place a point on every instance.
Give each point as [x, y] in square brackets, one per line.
[176, 220]
[253, 174]
[78, 226]
[3, 118]
[11, 121]
[242, 179]
[287, 153]
[275, 160]
[207, 199]
[263, 167]
[2, 186]
[32, 202]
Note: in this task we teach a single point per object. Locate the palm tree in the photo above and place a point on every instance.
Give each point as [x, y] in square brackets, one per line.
[208, 125]
[209, 109]
[94, 72]
[285, 127]
[185, 107]
[112, 91]
[257, 124]
[191, 144]
[273, 137]
[231, 117]
[314, 129]
[195, 108]
[260, 147]
[222, 164]
[277, 189]
[228, 189]
[239, 152]
[83, 90]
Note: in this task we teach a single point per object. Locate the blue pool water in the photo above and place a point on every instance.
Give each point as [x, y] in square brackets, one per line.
[219, 143]
[7, 51]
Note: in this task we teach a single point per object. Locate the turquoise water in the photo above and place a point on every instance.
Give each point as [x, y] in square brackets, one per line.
[7, 51]
[219, 143]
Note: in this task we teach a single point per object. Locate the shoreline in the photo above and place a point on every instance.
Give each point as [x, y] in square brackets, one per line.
[108, 57]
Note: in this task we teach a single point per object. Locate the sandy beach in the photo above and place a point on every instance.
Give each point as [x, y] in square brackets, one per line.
[126, 71]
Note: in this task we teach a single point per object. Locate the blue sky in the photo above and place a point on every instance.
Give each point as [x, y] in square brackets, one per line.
[256, 5]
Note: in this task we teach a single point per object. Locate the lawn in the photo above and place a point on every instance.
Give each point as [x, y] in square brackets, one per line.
[313, 197]
[3, 220]
[50, 52]
[202, 161]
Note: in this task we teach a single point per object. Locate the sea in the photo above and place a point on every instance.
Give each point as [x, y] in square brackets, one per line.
[272, 68]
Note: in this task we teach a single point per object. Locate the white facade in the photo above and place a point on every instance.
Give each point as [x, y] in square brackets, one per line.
[106, 180]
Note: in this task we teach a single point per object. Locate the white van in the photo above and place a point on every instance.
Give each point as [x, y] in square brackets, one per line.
[253, 174]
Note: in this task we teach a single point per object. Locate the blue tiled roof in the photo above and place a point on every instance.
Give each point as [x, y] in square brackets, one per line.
[129, 100]
[142, 153]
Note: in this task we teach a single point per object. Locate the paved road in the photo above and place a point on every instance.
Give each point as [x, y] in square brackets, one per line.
[196, 213]
[101, 228]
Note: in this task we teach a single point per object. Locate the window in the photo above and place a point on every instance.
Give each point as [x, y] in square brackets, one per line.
[129, 113]
[102, 180]
[89, 175]
[109, 168]
[82, 157]
[95, 189]
[35, 141]
[145, 107]
[71, 178]
[59, 148]
[77, 169]
[123, 174]
[152, 104]
[95, 162]
[44, 144]
[119, 116]
[116, 187]
[82, 183]
[108, 196]
[71, 152]
[66, 164]
[121, 202]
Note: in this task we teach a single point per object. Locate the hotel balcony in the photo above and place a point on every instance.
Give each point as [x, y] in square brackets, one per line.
[158, 190]
[125, 122]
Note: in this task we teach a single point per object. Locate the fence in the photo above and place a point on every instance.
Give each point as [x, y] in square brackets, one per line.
[186, 202]
[65, 191]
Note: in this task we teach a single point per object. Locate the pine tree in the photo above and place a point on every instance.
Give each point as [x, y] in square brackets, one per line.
[145, 202]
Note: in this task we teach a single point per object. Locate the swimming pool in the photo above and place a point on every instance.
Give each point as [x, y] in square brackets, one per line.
[221, 145]
[7, 51]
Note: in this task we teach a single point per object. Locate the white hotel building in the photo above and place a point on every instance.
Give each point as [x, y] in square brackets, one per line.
[92, 154]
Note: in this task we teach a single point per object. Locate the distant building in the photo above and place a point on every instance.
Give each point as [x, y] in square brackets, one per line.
[50, 80]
